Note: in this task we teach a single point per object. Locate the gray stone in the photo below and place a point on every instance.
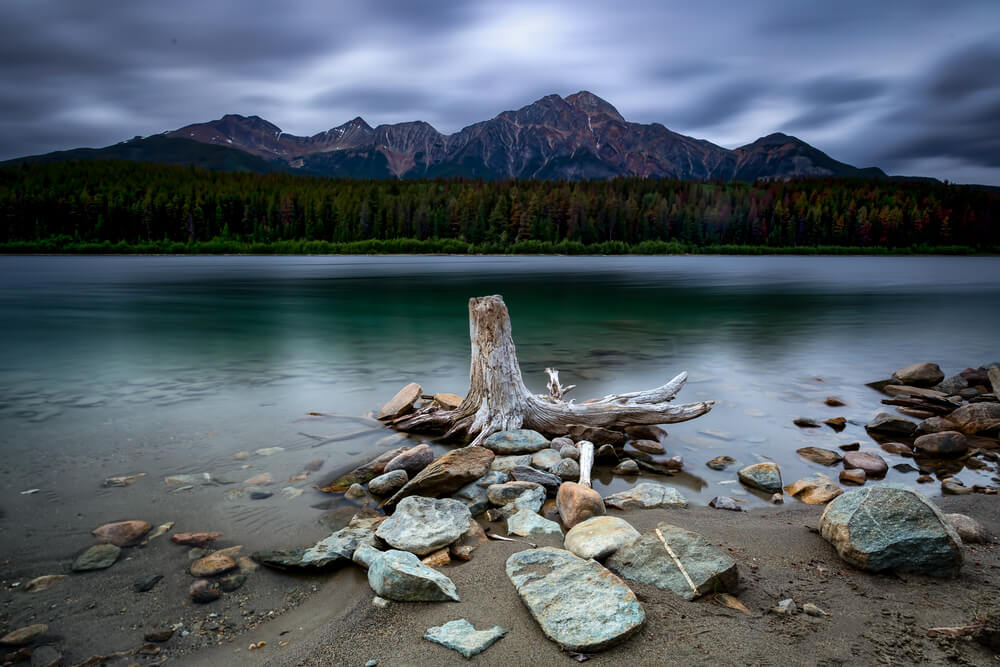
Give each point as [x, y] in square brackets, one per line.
[924, 374]
[725, 503]
[463, 637]
[885, 423]
[567, 470]
[560, 442]
[546, 479]
[977, 418]
[506, 464]
[423, 525]
[570, 452]
[517, 441]
[388, 483]
[97, 557]
[890, 527]
[952, 384]
[400, 576]
[474, 494]
[873, 464]
[355, 491]
[648, 561]
[600, 537]
[577, 603]
[545, 459]
[646, 495]
[514, 496]
[626, 467]
[146, 584]
[764, 476]
[970, 530]
[527, 523]
[339, 547]
[943, 445]
[412, 461]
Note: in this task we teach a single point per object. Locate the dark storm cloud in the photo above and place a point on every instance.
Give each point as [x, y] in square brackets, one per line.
[969, 71]
[374, 99]
[718, 104]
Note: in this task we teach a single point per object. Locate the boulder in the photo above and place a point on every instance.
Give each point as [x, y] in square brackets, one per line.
[567, 469]
[887, 424]
[856, 477]
[505, 464]
[211, 565]
[447, 474]
[474, 494]
[924, 374]
[527, 523]
[97, 557]
[516, 441]
[338, 548]
[874, 465]
[649, 446]
[122, 533]
[646, 495]
[576, 502]
[463, 637]
[970, 530]
[816, 489]
[977, 418]
[826, 457]
[721, 462]
[597, 435]
[943, 445]
[546, 479]
[577, 603]
[648, 560]
[764, 476]
[890, 527]
[422, 525]
[600, 537]
[546, 459]
[401, 403]
[399, 575]
[388, 483]
[412, 460]
[364, 473]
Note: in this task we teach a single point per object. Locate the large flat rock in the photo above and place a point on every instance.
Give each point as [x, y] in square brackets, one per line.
[447, 474]
[463, 637]
[424, 525]
[646, 495]
[399, 575]
[402, 402]
[600, 537]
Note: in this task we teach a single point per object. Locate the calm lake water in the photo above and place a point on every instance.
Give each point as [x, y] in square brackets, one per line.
[168, 365]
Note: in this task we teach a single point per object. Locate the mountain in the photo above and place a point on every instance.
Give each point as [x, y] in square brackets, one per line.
[580, 136]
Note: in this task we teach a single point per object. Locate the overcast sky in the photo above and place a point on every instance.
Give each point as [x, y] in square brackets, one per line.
[912, 86]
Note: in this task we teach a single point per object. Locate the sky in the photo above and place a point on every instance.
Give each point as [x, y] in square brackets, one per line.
[912, 86]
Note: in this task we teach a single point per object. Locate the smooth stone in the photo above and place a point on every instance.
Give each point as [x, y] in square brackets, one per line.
[826, 457]
[952, 384]
[577, 603]
[887, 424]
[836, 423]
[576, 503]
[856, 477]
[924, 374]
[448, 401]
[567, 470]
[261, 479]
[260, 493]
[411, 461]
[43, 583]
[158, 636]
[606, 454]
[649, 446]
[904, 467]
[777, 499]
[817, 489]
[203, 591]
[546, 479]
[546, 459]
[401, 403]
[364, 473]
[231, 582]
[725, 503]
[834, 402]
[804, 422]
[122, 533]
[849, 447]
[600, 537]
[24, 635]
[516, 441]
[873, 464]
[626, 467]
[569, 452]
[463, 637]
[597, 435]
[954, 487]
[898, 448]
[970, 530]
[146, 584]
[560, 442]
[211, 565]
[764, 476]
[721, 462]
[422, 525]
[527, 523]
[388, 483]
[447, 474]
[97, 557]
[647, 560]
[943, 445]
[977, 418]
[474, 495]
[506, 464]
[646, 495]
[399, 575]
[645, 432]
[337, 548]
[924, 479]
[890, 527]
[195, 539]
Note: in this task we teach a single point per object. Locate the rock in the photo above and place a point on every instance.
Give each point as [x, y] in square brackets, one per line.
[448, 401]
[439, 558]
[725, 503]
[597, 435]
[195, 539]
[158, 636]
[785, 608]
[188, 480]
[649, 446]
[474, 495]
[577, 603]
[849, 447]
[548, 480]
[890, 425]
[874, 465]
[527, 523]
[812, 610]
[914, 412]
[817, 489]
[856, 477]
[599, 537]
[975, 376]
[904, 467]
[606, 454]
[269, 451]
[46, 656]
[834, 402]
[560, 442]
[898, 448]
[401, 403]
[337, 548]
[721, 462]
[291, 492]
[764, 476]
[567, 470]
[463, 637]
[262, 479]
[924, 374]
[422, 525]
[915, 392]
[954, 487]
[399, 575]
[977, 418]
[952, 384]
[645, 432]
[777, 499]
[388, 483]
[546, 459]
[646, 495]
[379, 603]
[924, 479]
[836, 423]
[447, 474]
[241, 456]
[363, 474]
[648, 561]
[146, 584]
[804, 422]
[122, 533]
[412, 460]
[203, 591]
[516, 441]
[970, 530]
[24, 635]
[43, 583]
[943, 445]
[626, 467]
[576, 503]
[934, 425]
[211, 565]
[890, 527]
[826, 457]
[97, 557]
[260, 493]
[505, 464]
[471, 539]
[504, 494]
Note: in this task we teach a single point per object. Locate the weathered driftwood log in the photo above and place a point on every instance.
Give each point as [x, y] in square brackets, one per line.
[499, 401]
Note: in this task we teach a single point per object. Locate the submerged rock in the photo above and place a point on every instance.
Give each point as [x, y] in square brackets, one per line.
[122, 533]
[97, 557]
[924, 374]
[873, 464]
[447, 474]
[527, 523]
[422, 525]
[463, 637]
[364, 473]
[890, 527]
[943, 445]
[402, 402]
[577, 603]
[887, 424]
[826, 457]
[764, 476]
[816, 489]
[399, 575]
[337, 548]
[977, 418]
[721, 462]
[600, 537]
[646, 495]
[411, 461]
[516, 441]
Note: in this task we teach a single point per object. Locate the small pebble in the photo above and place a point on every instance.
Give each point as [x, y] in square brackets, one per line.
[813, 610]
[371, 663]
[380, 603]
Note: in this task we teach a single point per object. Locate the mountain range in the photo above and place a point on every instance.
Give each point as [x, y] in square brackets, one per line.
[580, 136]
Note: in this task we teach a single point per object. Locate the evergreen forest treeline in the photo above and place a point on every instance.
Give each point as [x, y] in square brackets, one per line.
[118, 206]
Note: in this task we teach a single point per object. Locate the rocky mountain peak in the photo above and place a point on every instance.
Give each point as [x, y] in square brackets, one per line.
[590, 104]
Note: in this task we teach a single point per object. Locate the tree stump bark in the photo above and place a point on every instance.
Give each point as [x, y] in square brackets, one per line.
[498, 400]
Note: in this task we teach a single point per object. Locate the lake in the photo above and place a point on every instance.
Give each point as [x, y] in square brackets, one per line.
[170, 365]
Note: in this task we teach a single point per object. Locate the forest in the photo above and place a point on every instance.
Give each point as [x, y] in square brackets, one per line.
[120, 206]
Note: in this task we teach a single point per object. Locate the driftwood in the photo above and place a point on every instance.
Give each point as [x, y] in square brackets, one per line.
[498, 400]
